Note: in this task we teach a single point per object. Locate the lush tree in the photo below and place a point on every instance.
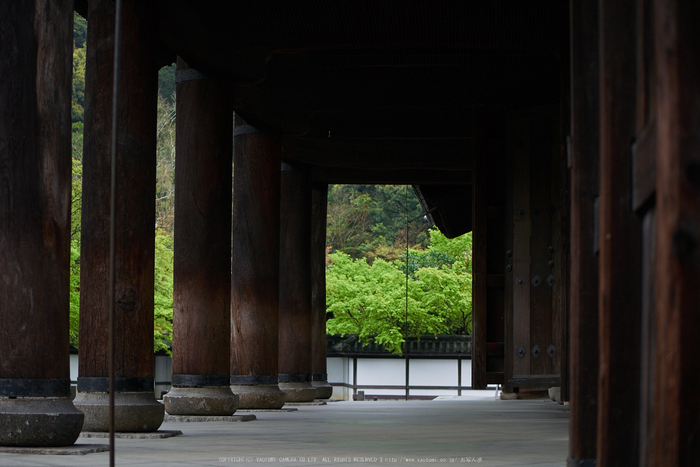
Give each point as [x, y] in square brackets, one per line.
[349, 219]
[165, 165]
[163, 292]
[445, 274]
[166, 83]
[374, 221]
[78, 101]
[375, 302]
[79, 30]
[380, 302]
[76, 202]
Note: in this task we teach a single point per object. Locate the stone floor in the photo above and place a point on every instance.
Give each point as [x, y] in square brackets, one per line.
[471, 429]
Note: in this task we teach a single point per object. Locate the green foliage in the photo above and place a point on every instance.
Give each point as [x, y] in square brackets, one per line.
[459, 248]
[371, 220]
[165, 165]
[166, 83]
[370, 301]
[79, 31]
[78, 102]
[74, 291]
[377, 302]
[163, 292]
[76, 201]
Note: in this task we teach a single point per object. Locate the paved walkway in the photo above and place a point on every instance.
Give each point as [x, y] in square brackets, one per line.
[474, 429]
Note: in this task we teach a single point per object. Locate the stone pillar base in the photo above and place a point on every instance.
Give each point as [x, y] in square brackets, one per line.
[209, 401]
[323, 389]
[259, 396]
[134, 412]
[39, 422]
[299, 392]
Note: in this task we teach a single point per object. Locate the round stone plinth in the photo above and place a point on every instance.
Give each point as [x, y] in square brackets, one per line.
[323, 389]
[201, 401]
[34, 422]
[259, 396]
[134, 412]
[299, 392]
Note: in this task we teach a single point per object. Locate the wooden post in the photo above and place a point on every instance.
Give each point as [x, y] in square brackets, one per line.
[479, 269]
[35, 189]
[489, 256]
[522, 230]
[202, 266]
[256, 262]
[583, 319]
[319, 210]
[620, 234]
[136, 407]
[676, 412]
[295, 286]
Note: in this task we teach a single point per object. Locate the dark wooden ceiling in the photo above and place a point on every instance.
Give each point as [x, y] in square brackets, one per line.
[374, 91]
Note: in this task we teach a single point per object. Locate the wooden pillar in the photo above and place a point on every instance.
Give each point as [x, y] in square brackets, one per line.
[585, 146]
[136, 407]
[489, 266]
[676, 412]
[295, 286]
[319, 211]
[202, 266]
[256, 261]
[479, 290]
[620, 268]
[35, 189]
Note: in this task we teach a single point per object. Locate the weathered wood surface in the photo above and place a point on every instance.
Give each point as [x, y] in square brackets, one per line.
[541, 244]
[522, 230]
[202, 264]
[135, 204]
[620, 266]
[479, 271]
[319, 209]
[644, 200]
[583, 317]
[295, 273]
[677, 406]
[256, 260]
[35, 188]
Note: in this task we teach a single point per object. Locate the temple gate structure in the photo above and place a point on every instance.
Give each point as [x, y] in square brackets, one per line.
[566, 136]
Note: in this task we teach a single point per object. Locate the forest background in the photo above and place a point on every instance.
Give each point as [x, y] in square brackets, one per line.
[389, 275]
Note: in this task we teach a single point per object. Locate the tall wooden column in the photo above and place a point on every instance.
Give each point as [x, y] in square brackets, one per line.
[256, 261]
[676, 412]
[35, 188]
[620, 239]
[319, 212]
[489, 242]
[585, 147]
[295, 286]
[202, 267]
[136, 407]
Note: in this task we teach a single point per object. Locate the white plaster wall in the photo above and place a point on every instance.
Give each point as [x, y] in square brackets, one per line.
[381, 371]
[370, 371]
[339, 371]
[424, 372]
[74, 368]
[467, 372]
[163, 374]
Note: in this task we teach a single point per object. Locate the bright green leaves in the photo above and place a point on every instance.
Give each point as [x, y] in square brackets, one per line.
[376, 302]
[163, 292]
